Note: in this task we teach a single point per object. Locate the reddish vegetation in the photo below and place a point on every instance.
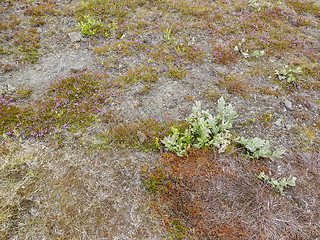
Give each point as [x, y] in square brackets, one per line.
[218, 196]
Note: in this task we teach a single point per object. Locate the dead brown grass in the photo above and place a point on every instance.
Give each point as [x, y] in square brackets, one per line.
[218, 196]
[72, 194]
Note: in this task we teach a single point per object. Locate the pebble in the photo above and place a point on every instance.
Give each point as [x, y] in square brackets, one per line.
[278, 122]
[75, 37]
[288, 104]
[289, 126]
[141, 136]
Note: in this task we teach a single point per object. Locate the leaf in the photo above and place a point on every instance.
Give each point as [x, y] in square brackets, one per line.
[277, 153]
[262, 176]
[291, 181]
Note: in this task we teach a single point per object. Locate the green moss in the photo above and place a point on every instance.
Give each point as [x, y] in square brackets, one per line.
[154, 182]
[304, 6]
[24, 92]
[268, 91]
[11, 116]
[177, 231]
[37, 21]
[25, 45]
[142, 73]
[266, 119]
[177, 73]
[71, 103]
[122, 47]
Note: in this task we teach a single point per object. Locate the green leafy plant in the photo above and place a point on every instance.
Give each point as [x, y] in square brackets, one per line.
[258, 53]
[90, 26]
[154, 182]
[111, 27]
[288, 74]
[178, 231]
[245, 53]
[280, 184]
[84, 4]
[203, 130]
[258, 6]
[178, 142]
[168, 36]
[258, 148]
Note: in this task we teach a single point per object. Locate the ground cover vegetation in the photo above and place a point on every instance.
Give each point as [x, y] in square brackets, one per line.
[124, 150]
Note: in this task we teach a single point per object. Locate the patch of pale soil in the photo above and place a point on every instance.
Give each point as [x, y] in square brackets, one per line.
[166, 100]
[49, 68]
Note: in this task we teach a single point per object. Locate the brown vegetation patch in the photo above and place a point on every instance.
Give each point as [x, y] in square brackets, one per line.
[214, 196]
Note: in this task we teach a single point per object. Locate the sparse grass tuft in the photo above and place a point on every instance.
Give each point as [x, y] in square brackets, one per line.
[25, 42]
[145, 135]
[24, 92]
[177, 73]
[144, 73]
[233, 85]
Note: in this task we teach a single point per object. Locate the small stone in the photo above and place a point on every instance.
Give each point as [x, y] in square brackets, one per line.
[289, 126]
[278, 122]
[75, 37]
[288, 104]
[141, 136]
[77, 69]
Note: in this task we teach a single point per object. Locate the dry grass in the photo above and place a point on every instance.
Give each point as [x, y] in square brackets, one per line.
[74, 194]
[67, 165]
[218, 196]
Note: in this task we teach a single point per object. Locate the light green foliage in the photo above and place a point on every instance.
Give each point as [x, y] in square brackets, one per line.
[280, 184]
[90, 26]
[258, 53]
[84, 4]
[210, 130]
[258, 148]
[168, 36]
[259, 5]
[178, 142]
[112, 27]
[263, 176]
[245, 53]
[288, 74]
[204, 130]
[178, 231]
